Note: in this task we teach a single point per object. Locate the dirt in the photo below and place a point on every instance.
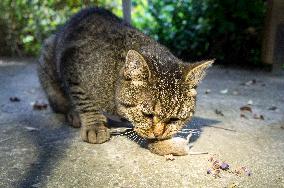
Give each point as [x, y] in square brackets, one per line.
[38, 149]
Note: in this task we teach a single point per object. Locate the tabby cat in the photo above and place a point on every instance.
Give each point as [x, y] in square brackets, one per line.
[96, 64]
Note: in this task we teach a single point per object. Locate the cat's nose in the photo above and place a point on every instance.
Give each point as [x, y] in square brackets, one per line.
[159, 129]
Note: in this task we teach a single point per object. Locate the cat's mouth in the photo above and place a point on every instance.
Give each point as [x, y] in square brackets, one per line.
[159, 132]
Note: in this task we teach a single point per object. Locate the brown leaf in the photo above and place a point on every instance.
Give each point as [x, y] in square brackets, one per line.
[256, 116]
[15, 99]
[219, 112]
[246, 108]
[272, 108]
[39, 106]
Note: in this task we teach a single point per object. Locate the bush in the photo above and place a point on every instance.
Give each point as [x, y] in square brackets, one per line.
[26, 23]
[229, 30]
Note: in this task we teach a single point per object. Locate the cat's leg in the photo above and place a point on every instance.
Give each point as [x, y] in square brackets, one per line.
[56, 96]
[94, 127]
[49, 80]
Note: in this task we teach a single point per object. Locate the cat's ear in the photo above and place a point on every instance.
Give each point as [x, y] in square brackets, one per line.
[196, 72]
[135, 67]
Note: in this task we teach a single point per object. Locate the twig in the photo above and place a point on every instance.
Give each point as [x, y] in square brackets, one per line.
[217, 127]
[197, 153]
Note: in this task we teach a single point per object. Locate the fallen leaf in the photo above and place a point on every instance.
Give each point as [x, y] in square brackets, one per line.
[219, 112]
[272, 108]
[39, 106]
[256, 116]
[14, 99]
[246, 108]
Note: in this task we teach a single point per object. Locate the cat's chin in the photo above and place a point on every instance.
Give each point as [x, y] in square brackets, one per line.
[150, 135]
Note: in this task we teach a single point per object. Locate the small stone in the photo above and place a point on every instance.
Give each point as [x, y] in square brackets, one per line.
[207, 91]
[31, 129]
[250, 102]
[236, 93]
[225, 91]
[170, 157]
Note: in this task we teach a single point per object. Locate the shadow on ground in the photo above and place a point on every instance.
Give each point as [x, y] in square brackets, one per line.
[51, 145]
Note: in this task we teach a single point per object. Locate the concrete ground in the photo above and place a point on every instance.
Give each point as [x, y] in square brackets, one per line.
[38, 149]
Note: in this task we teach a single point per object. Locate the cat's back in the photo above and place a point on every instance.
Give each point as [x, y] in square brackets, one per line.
[90, 51]
[91, 30]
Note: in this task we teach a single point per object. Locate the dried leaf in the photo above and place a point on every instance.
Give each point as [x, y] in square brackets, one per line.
[39, 106]
[246, 108]
[272, 108]
[256, 116]
[15, 99]
[219, 112]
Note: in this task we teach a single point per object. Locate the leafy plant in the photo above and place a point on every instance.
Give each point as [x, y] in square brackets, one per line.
[229, 30]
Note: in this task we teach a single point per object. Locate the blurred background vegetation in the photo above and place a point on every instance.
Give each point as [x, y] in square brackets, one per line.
[229, 30]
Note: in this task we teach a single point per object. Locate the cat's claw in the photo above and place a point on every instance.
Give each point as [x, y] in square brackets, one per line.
[96, 134]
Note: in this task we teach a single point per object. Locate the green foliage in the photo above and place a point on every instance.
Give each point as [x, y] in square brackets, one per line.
[229, 30]
[26, 23]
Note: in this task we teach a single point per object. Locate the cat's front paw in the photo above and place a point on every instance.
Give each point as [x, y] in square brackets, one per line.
[95, 134]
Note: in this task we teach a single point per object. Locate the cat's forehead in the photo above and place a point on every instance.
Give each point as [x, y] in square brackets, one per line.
[168, 88]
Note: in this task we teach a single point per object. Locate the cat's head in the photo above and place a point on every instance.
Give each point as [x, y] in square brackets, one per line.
[158, 97]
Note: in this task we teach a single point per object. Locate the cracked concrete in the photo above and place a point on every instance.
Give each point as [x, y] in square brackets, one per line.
[38, 149]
